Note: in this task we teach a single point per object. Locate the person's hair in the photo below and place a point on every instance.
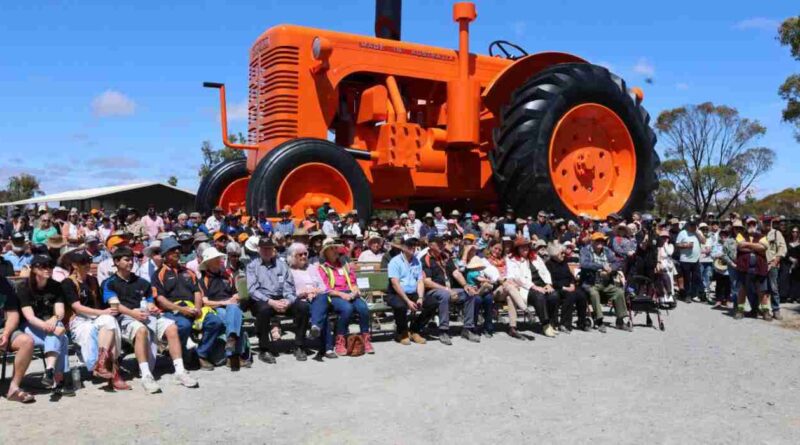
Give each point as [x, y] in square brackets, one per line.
[233, 248]
[554, 250]
[291, 251]
[278, 236]
[200, 249]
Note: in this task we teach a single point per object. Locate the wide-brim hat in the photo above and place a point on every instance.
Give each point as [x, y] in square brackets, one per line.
[251, 244]
[169, 244]
[327, 244]
[372, 236]
[475, 263]
[521, 242]
[56, 242]
[315, 235]
[154, 247]
[208, 255]
[300, 231]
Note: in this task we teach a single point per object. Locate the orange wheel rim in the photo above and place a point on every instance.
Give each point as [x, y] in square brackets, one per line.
[592, 160]
[309, 185]
[234, 196]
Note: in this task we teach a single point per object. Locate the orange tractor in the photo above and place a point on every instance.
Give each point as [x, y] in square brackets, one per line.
[375, 123]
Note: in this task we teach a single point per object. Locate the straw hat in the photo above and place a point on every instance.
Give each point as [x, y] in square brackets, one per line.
[476, 264]
[210, 254]
[56, 242]
[327, 244]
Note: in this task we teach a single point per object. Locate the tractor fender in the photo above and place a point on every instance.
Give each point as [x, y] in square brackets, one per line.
[499, 90]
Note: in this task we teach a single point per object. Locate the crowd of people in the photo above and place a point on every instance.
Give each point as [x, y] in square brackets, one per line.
[164, 281]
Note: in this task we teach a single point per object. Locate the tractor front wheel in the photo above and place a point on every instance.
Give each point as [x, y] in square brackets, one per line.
[574, 140]
[224, 186]
[304, 173]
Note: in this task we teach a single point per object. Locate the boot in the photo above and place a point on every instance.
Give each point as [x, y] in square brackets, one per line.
[340, 347]
[118, 383]
[368, 343]
[100, 367]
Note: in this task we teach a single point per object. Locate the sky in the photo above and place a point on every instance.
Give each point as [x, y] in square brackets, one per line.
[96, 93]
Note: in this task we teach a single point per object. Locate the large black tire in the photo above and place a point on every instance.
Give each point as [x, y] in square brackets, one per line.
[262, 192]
[520, 159]
[219, 178]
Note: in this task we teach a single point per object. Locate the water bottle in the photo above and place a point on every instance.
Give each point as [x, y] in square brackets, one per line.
[143, 306]
[76, 378]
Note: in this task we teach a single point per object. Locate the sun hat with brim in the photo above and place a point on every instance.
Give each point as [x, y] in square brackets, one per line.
[153, 248]
[41, 260]
[199, 237]
[373, 236]
[252, 244]
[750, 219]
[316, 234]
[327, 244]
[299, 232]
[539, 244]
[470, 236]
[208, 255]
[476, 264]
[702, 225]
[521, 242]
[185, 237]
[169, 244]
[597, 236]
[737, 224]
[56, 242]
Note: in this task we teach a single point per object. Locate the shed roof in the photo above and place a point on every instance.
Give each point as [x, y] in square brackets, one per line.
[79, 195]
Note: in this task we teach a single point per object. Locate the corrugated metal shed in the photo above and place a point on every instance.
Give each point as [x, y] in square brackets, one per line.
[137, 195]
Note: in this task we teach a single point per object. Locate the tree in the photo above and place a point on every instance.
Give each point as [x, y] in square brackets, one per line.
[710, 158]
[173, 181]
[212, 157]
[21, 187]
[785, 202]
[789, 35]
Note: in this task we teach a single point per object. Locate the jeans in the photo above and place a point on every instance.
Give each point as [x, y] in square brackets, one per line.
[485, 303]
[772, 283]
[546, 306]
[345, 310]
[442, 298]
[319, 318]
[51, 343]
[231, 316]
[736, 283]
[752, 286]
[691, 279]
[706, 269]
[213, 327]
[431, 303]
[263, 312]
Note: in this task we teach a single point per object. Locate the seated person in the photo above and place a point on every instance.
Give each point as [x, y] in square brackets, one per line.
[440, 292]
[92, 325]
[220, 295]
[542, 294]
[178, 296]
[481, 285]
[506, 291]
[374, 252]
[344, 296]
[598, 266]
[310, 287]
[572, 296]
[406, 293]
[14, 340]
[132, 296]
[41, 301]
[271, 287]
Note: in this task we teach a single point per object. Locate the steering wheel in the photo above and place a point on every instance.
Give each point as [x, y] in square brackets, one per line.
[508, 49]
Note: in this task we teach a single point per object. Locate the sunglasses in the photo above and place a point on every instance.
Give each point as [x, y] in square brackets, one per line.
[302, 254]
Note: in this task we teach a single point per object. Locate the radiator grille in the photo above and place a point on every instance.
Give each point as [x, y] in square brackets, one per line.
[273, 101]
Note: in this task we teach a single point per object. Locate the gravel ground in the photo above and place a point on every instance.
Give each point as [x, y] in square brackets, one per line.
[707, 379]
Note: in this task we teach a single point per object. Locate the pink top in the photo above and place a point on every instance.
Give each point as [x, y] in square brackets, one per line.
[153, 226]
[308, 280]
[339, 280]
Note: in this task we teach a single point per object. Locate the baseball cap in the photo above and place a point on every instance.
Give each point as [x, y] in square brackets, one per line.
[265, 241]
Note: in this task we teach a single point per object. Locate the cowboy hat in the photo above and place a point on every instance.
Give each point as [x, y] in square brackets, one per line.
[210, 254]
[521, 242]
[56, 242]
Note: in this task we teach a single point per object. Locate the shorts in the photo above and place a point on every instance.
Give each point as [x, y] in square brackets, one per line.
[84, 331]
[156, 325]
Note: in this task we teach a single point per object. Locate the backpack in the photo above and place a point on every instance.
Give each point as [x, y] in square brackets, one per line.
[355, 346]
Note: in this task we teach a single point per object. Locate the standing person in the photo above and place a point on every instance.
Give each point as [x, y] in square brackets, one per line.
[792, 267]
[153, 224]
[44, 230]
[220, 295]
[286, 224]
[724, 260]
[141, 322]
[752, 268]
[689, 242]
[271, 287]
[776, 252]
[414, 224]
[540, 228]
[406, 293]
[706, 261]
[178, 295]
[344, 296]
[93, 326]
[439, 221]
[598, 267]
[41, 301]
[14, 340]
[214, 222]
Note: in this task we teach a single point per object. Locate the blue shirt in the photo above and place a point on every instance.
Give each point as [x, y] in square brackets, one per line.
[286, 228]
[407, 273]
[265, 226]
[17, 261]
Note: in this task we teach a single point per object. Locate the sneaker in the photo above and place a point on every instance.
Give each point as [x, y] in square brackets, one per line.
[368, 343]
[48, 379]
[585, 327]
[488, 334]
[205, 365]
[64, 390]
[622, 326]
[185, 379]
[315, 331]
[601, 328]
[247, 362]
[300, 355]
[777, 315]
[738, 315]
[564, 330]
[696, 300]
[418, 339]
[402, 339]
[549, 331]
[266, 357]
[150, 386]
[471, 336]
[444, 338]
[330, 354]
[767, 314]
[118, 383]
[340, 346]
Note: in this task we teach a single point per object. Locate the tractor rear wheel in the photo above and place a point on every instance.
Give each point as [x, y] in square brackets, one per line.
[302, 174]
[224, 186]
[574, 140]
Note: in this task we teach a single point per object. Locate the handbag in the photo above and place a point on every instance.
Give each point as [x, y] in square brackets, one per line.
[355, 346]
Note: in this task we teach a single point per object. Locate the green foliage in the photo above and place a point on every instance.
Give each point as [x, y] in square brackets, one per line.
[173, 181]
[212, 157]
[710, 161]
[786, 202]
[21, 187]
[789, 35]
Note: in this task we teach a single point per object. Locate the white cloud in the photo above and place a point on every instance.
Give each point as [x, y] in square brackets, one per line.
[238, 111]
[114, 162]
[681, 86]
[759, 23]
[644, 67]
[113, 103]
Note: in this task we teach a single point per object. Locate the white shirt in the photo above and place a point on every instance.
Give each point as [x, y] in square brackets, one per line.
[105, 269]
[329, 230]
[415, 225]
[369, 256]
[519, 270]
[213, 224]
[355, 229]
